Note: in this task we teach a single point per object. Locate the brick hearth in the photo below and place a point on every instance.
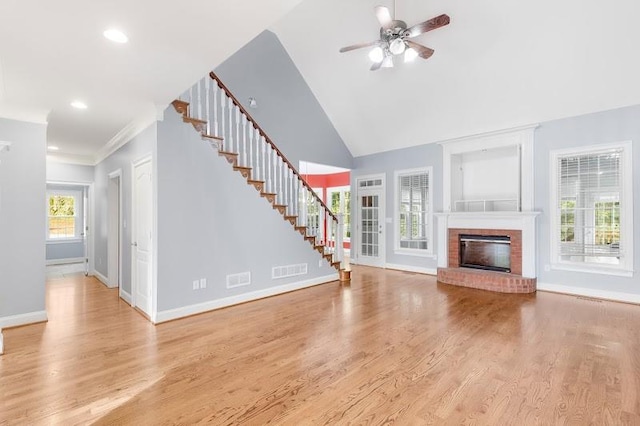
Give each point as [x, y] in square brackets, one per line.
[501, 282]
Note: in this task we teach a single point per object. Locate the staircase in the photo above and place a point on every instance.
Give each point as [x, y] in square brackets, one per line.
[223, 122]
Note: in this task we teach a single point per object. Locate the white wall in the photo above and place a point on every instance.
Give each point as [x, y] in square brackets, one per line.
[22, 223]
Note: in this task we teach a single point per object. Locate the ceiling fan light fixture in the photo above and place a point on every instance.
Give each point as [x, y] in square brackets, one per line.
[376, 54]
[387, 62]
[410, 55]
[397, 46]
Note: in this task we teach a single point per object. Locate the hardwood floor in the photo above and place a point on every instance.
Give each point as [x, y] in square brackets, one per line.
[393, 347]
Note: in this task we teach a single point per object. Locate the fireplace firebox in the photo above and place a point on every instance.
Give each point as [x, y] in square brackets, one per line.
[488, 252]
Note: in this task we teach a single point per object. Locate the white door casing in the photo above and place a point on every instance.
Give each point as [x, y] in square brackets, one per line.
[141, 242]
[370, 225]
[114, 229]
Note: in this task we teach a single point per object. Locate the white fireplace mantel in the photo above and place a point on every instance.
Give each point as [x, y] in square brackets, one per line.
[522, 221]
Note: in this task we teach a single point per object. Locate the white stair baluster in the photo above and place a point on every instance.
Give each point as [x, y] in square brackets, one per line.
[261, 147]
[241, 135]
[190, 101]
[223, 133]
[275, 175]
[216, 129]
[251, 159]
[231, 139]
[200, 100]
[255, 148]
[207, 89]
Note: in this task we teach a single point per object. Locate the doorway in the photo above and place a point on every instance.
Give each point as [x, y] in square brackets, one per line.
[114, 229]
[370, 228]
[67, 235]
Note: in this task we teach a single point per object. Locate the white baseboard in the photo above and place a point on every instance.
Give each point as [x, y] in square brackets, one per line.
[418, 269]
[589, 292]
[126, 297]
[65, 261]
[100, 277]
[211, 305]
[23, 319]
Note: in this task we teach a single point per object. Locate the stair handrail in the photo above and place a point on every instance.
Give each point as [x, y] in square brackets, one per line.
[256, 126]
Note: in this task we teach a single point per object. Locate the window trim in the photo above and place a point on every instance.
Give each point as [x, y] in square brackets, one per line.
[625, 268]
[429, 252]
[78, 197]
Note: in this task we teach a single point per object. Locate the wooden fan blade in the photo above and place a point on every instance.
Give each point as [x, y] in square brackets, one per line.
[426, 26]
[383, 15]
[423, 51]
[359, 46]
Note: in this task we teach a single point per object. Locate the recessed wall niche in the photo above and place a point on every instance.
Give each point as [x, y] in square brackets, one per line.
[492, 172]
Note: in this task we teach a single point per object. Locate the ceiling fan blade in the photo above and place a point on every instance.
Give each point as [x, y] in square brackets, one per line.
[359, 46]
[383, 15]
[423, 51]
[376, 66]
[426, 26]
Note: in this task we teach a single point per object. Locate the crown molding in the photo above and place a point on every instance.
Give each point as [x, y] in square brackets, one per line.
[80, 160]
[129, 132]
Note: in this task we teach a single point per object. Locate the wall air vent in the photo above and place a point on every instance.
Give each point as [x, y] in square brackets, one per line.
[238, 280]
[289, 271]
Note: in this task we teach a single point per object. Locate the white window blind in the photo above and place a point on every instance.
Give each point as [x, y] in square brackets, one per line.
[588, 207]
[413, 205]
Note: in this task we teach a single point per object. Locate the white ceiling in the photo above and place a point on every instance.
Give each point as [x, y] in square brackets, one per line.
[499, 64]
[52, 52]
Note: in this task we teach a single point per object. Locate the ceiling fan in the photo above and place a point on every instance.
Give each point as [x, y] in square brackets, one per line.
[395, 39]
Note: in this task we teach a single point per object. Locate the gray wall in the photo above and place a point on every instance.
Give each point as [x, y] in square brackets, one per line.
[140, 146]
[592, 129]
[61, 250]
[387, 163]
[212, 223]
[22, 218]
[61, 172]
[604, 127]
[287, 109]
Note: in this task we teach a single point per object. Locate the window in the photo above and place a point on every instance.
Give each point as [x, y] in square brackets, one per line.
[340, 202]
[63, 210]
[413, 212]
[592, 209]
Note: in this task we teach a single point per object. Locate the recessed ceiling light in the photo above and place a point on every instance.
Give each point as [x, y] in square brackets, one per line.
[116, 36]
[79, 105]
[52, 148]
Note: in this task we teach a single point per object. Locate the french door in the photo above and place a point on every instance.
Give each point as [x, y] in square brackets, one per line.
[370, 225]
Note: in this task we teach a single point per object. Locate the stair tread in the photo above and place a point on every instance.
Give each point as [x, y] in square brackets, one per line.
[218, 138]
[268, 193]
[255, 181]
[228, 153]
[194, 120]
[242, 167]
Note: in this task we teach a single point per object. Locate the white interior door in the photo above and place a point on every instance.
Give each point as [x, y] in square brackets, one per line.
[141, 236]
[370, 227]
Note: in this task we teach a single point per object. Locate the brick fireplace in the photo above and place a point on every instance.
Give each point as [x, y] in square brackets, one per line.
[519, 227]
[503, 282]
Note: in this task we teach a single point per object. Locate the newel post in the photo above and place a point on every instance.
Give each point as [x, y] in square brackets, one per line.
[340, 238]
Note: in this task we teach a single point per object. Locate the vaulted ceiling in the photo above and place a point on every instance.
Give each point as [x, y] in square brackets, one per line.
[499, 64]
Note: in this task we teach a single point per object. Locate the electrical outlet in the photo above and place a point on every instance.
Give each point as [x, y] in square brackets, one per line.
[196, 284]
[203, 283]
